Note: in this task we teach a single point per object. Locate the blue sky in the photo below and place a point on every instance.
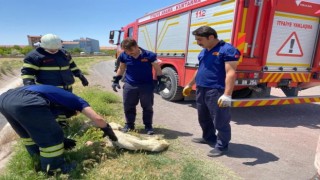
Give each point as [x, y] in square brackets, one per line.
[70, 19]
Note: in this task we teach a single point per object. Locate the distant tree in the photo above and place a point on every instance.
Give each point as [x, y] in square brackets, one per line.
[2, 52]
[75, 50]
[14, 52]
[25, 50]
[17, 47]
[5, 50]
[109, 52]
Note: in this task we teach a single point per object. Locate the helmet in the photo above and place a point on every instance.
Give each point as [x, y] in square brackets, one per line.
[50, 41]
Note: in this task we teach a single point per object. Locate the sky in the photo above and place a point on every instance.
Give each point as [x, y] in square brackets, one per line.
[70, 19]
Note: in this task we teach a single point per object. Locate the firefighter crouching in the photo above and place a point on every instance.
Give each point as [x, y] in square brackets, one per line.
[50, 64]
[41, 134]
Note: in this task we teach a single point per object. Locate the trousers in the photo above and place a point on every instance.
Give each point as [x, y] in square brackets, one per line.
[212, 118]
[30, 116]
[132, 95]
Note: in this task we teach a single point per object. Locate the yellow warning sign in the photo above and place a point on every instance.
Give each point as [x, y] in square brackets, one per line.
[291, 46]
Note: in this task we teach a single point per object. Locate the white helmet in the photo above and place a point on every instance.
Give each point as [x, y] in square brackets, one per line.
[50, 41]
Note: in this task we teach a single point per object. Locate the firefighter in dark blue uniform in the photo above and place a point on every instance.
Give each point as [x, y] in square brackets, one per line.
[139, 85]
[51, 65]
[31, 112]
[214, 81]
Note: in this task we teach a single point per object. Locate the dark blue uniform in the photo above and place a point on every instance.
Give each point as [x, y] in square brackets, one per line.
[57, 69]
[138, 86]
[210, 81]
[31, 111]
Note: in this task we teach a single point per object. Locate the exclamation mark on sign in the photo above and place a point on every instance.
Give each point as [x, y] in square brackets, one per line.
[291, 45]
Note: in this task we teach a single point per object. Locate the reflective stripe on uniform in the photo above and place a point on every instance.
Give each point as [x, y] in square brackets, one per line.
[54, 68]
[27, 77]
[52, 151]
[71, 61]
[75, 68]
[30, 66]
[62, 117]
[27, 141]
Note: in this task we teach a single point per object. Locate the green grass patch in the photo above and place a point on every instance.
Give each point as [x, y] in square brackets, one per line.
[7, 65]
[84, 63]
[100, 161]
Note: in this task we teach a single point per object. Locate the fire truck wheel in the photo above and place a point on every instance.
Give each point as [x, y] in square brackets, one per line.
[242, 93]
[172, 92]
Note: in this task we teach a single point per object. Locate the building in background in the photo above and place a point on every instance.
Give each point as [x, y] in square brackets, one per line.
[70, 45]
[87, 45]
[33, 40]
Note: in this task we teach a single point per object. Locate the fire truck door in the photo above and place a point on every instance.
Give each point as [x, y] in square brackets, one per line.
[292, 42]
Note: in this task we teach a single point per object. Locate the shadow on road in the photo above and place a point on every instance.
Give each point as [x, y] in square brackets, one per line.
[171, 134]
[279, 116]
[305, 115]
[247, 151]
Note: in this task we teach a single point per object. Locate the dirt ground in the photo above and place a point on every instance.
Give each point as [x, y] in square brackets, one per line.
[276, 142]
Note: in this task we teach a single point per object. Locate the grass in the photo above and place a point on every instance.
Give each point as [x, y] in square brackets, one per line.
[100, 161]
[7, 65]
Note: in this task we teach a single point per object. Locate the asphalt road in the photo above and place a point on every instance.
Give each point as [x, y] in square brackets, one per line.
[274, 142]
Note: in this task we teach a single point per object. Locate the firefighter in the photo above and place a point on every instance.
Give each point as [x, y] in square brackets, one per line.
[139, 84]
[50, 64]
[214, 81]
[31, 112]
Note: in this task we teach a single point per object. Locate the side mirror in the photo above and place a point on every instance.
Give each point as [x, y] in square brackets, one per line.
[111, 35]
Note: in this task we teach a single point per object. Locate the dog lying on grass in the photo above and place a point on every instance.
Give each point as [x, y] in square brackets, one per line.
[130, 142]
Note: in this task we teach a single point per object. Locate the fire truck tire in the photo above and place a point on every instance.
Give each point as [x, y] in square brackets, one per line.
[290, 92]
[172, 92]
[261, 92]
[242, 93]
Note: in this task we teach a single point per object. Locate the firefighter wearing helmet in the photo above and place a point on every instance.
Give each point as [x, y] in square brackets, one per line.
[50, 64]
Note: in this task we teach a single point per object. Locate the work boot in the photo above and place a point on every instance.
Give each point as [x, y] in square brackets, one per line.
[203, 141]
[217, 152]
[149, 130]
[64, 169]
[127, 128]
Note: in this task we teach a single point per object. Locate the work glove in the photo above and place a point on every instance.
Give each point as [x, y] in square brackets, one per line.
[115, 83]
[161, 83]
[187, 90]
[224, 101]
[69, 143]
[107, 131]
[83, 80]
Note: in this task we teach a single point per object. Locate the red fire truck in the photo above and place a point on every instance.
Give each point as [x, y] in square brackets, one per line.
[278, 39]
